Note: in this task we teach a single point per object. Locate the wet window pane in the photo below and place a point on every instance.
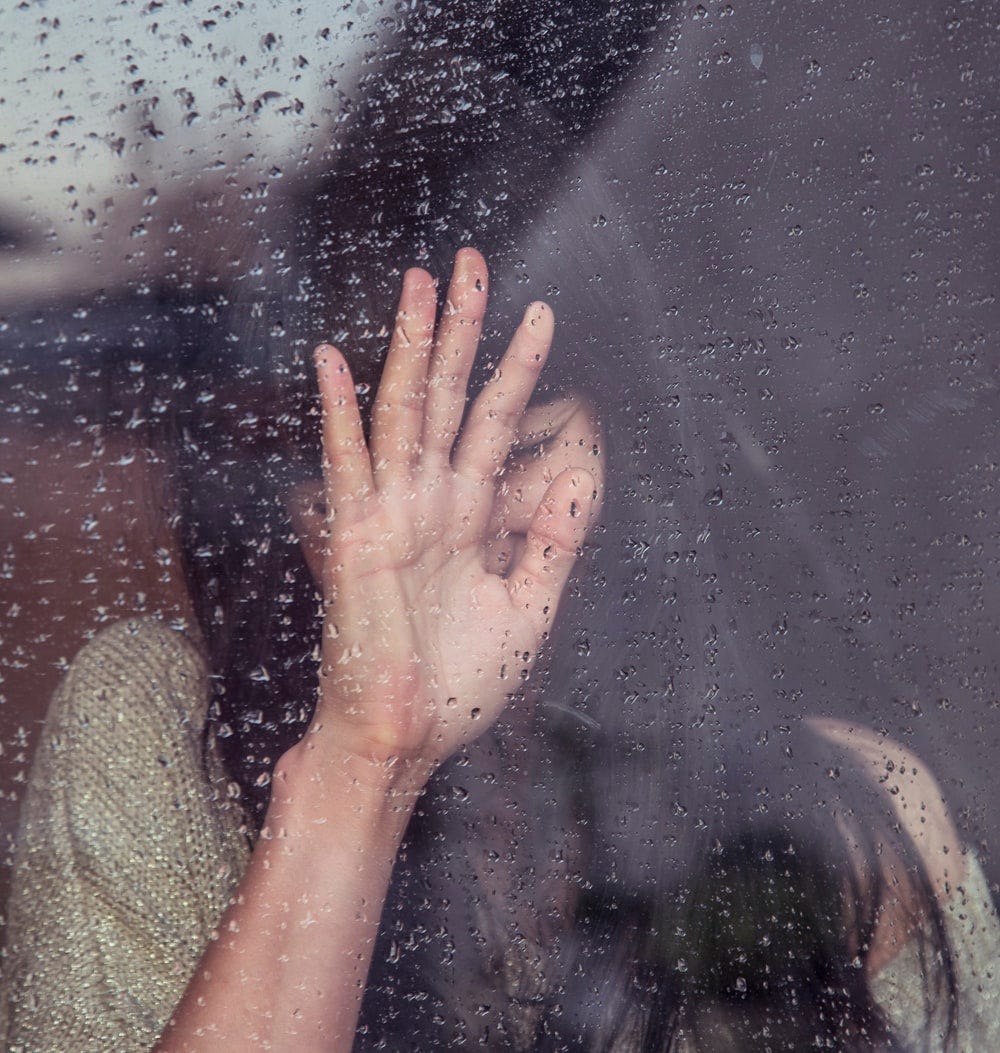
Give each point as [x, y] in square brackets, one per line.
[499, 541]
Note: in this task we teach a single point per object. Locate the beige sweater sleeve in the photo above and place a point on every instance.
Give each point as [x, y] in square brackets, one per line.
[920, 1016]
[126, 854]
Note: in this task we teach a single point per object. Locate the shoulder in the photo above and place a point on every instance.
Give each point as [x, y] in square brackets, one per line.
[973, 936]
[127, 852]
[129, 670]
[122, 759]
[912, 795]
[125, 723]
[137, 643]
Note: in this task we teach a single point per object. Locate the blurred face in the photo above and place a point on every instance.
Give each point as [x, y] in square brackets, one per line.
[564, 433]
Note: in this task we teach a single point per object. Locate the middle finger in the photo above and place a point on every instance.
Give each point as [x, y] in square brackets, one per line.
[454, 351]
[399, 406]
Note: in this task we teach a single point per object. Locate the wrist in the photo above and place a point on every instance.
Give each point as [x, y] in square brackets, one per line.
[318, 774]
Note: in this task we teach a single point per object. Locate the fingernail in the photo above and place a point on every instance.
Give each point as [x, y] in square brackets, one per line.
[468, 260]
[538, 316]
[321, 356]
[415, 277]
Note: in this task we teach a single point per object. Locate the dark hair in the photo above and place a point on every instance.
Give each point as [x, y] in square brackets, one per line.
[715, 895]
[765, 942]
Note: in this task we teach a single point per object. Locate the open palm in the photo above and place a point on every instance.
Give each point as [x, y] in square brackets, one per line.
[422, 644]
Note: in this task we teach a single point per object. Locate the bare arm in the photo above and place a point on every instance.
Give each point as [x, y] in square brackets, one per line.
[288, 968]
[423, 644]
[916, 801]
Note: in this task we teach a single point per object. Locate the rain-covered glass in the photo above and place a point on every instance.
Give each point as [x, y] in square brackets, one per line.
[500, 536]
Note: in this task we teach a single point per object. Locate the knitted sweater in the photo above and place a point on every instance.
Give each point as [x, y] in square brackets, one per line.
[129, 850]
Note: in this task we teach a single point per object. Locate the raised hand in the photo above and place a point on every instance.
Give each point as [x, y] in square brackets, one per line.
[423, 639]
[425, 636]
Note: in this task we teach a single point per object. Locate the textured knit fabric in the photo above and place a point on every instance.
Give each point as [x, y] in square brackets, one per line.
[129, 851]
[974, 934]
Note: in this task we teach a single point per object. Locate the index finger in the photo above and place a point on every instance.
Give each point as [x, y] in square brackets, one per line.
[347, 469]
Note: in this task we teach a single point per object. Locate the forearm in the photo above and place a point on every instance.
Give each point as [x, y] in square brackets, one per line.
[288, 969]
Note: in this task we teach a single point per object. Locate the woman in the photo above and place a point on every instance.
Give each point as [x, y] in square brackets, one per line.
[129, 855]
[415, 662]
[715, 836]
